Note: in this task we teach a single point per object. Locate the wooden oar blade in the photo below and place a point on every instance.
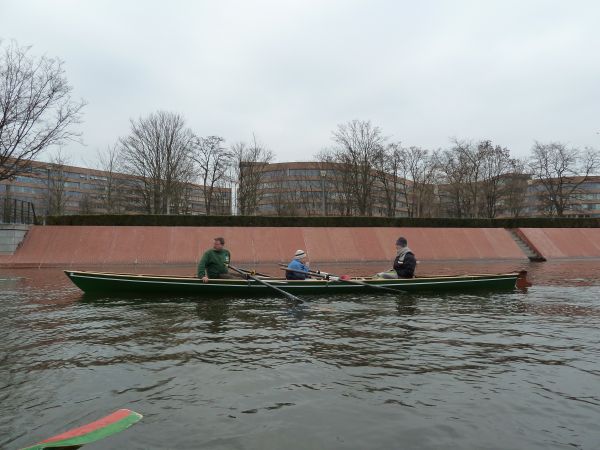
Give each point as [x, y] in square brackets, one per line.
[94, 431]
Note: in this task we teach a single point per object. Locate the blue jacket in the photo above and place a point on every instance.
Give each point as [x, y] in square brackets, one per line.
[296, 265]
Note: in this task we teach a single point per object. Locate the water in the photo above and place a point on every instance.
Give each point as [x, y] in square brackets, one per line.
[486, 371]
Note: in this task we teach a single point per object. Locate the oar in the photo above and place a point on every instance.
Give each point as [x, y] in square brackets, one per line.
[253, 272]
[310, 272]
[107, 426]
[281, 291]
[319, 274]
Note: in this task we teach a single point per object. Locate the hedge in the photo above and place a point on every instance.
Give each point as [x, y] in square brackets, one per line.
[318, 221]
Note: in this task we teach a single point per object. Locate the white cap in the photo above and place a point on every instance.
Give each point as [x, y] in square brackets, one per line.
[300, 254]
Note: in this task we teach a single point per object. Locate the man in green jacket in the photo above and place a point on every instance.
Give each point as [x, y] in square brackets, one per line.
[214, 262]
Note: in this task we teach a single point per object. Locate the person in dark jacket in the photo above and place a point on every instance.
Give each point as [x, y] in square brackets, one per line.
[215, 261]
[404, 262]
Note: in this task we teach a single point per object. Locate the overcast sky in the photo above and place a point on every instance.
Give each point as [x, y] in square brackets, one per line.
[290, 71]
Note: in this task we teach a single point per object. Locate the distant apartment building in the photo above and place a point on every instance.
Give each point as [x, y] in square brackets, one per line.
[316, 188]
[285, 189]
[515, 196]
[583, 202]
[58, 189]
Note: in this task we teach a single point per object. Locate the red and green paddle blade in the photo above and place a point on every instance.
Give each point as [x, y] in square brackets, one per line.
[107, 426]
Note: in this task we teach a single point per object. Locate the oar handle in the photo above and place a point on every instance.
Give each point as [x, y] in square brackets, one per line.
[308, 272]
[253, 272]
[337, 278]
[305, 272]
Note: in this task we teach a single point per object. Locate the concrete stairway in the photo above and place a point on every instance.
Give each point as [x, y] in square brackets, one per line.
[11, 235]
[531, 252]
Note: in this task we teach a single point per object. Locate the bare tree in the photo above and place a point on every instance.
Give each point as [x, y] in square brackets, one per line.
[473, 178]
[214, 162]
[496, 166]
[455, 198]
[113, 195]
[389, 178]
[358, 152]
[471, 158]
[312, 199]
[57, 179]
[36, 109]
[338, 179]
[419, 166]
[222, 199]
[514, 192]
[158, 152]
[184, 199]
[248, 167]
[561, 170]
[87, 205]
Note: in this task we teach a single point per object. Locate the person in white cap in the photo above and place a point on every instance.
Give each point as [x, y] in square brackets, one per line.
[297, 264]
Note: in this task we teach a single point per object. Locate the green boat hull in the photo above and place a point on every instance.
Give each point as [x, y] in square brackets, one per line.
[118, 284]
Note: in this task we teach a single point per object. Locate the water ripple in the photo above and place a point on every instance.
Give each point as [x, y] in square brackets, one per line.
[516, 370]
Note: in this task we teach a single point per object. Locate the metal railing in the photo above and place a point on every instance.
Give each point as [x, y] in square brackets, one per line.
[16, 211]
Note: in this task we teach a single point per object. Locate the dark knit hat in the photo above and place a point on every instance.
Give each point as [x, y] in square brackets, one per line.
[402, 242]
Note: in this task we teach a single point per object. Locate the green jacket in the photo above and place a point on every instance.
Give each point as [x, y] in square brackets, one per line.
[214, 263]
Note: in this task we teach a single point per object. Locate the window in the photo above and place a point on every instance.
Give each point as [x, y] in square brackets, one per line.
[274, 174]
[305, 173]
[27, 190]
[595, 196]
[32, 180]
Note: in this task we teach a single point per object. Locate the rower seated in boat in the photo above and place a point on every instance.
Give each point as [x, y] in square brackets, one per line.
[404, 262]
[297, 266]
[215, 261]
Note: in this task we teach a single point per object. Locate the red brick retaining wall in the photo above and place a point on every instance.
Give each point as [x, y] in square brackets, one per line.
[555, 243]
[70, 246]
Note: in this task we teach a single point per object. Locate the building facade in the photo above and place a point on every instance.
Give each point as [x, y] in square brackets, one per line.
[55, 189]
[583, 198]
[517, 195]
[286, 189]
[316, 188]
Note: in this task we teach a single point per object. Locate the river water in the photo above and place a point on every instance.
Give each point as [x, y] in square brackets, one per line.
[504, 370]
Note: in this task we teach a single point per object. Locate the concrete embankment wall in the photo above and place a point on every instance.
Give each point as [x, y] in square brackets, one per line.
[69, 246]
[11, 236]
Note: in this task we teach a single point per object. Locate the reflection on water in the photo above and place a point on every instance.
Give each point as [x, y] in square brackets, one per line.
[483, 370]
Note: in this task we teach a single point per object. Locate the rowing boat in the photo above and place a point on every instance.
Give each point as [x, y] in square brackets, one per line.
[120, 283]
